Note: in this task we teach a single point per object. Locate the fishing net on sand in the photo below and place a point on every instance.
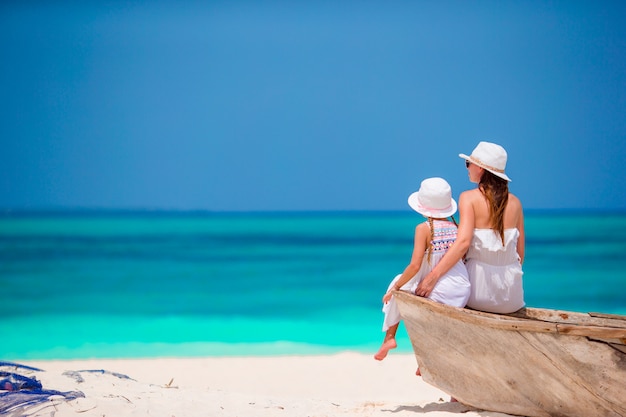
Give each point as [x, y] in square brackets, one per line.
[19, 392]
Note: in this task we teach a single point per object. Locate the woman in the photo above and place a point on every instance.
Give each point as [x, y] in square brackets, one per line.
[490, 236]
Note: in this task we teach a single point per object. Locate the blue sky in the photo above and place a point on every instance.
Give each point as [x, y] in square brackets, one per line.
[307, 105]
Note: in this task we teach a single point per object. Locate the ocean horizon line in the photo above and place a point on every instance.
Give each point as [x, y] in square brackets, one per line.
[171, 212]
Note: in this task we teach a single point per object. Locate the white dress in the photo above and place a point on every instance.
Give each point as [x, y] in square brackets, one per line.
[452, 289]
[495, 272]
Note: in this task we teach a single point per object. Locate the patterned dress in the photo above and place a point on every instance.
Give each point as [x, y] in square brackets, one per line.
[452, 289]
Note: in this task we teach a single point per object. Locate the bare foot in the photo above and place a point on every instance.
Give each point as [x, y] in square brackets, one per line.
[418, 372]
[385, 348]
[453, 400]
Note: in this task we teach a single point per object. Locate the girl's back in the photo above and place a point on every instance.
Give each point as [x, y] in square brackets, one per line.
[454, 287]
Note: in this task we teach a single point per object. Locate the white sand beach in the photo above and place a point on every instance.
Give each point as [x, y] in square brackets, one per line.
[348, 384]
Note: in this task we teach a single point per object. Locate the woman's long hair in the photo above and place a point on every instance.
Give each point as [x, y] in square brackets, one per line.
[496, 191]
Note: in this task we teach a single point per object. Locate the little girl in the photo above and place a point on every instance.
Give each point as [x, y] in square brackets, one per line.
[433, 238]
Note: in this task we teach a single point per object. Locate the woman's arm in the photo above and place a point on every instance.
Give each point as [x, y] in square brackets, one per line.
[421, 239]
[458, 249]
[521, 240]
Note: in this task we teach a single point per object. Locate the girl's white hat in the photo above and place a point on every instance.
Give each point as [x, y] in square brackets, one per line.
[434, 199]
[489, 156]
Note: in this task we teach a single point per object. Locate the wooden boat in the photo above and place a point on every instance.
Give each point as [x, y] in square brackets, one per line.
[534, 362]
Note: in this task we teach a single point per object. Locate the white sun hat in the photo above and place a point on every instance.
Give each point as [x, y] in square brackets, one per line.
[489, 156]
[434, 199]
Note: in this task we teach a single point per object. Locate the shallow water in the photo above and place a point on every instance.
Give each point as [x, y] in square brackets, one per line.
[77, 285]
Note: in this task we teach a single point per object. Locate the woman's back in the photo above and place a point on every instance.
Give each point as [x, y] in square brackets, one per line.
[479, 217]
[482, 217]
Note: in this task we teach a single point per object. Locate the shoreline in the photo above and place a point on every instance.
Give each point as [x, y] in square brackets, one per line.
[347, 383]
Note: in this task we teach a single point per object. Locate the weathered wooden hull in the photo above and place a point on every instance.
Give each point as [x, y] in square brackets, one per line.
[532, 363]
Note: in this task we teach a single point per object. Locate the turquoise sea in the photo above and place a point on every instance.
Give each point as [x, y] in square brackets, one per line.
[134, 284]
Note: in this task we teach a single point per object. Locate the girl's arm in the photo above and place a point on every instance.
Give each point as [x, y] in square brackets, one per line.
[456, 252]
[420, 242]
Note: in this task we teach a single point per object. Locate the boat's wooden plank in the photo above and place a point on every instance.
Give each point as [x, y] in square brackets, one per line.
[608, 316]
[592, 331]
[612, 342]
[570, 317]
[527, 319]
[517, 322]
[495, 321]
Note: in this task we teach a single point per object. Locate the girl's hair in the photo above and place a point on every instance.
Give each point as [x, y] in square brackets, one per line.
[432, 236]
[496, 191]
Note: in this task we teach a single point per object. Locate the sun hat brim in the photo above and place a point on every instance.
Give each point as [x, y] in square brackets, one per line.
[483, 166]
[431, 212]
